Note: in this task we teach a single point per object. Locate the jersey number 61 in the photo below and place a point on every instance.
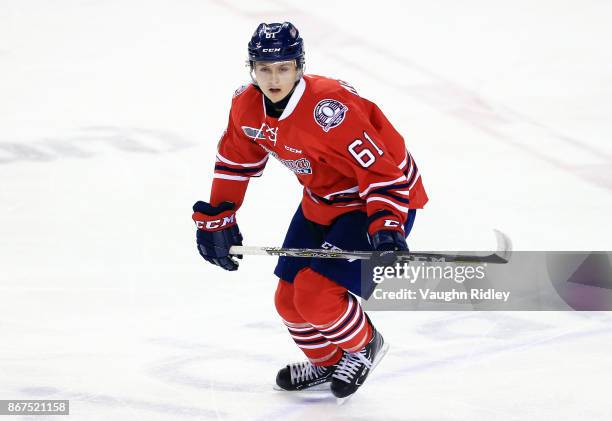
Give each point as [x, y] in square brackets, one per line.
[364, 157]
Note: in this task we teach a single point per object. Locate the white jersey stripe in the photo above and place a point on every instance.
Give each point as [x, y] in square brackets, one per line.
[231, 177]
[418, 175]
[400, 166]
[382, 199]
[311, 196]
[381, 184]
[247, 165]
[354, 189]
[350, 204]
[410, 171]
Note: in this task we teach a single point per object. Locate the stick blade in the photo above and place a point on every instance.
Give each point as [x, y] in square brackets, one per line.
[504, 246]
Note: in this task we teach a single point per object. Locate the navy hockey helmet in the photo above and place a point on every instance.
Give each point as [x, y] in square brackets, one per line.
[276, 42]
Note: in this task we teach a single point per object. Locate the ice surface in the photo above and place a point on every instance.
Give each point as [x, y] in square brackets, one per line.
[109, 116]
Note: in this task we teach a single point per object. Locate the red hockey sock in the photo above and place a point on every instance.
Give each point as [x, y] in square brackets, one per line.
[315, 346]
[331, 310]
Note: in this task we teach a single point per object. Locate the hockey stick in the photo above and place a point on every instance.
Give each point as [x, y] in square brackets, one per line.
[501, 255]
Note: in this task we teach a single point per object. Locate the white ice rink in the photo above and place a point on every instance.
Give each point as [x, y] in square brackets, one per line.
[110, 112]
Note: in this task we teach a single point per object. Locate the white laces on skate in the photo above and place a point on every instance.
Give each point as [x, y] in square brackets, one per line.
[350, 364]
[305, 370]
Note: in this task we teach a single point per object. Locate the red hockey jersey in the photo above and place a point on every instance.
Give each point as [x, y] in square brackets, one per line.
[341, 147]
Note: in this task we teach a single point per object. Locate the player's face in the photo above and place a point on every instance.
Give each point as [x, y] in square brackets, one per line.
[276, 79]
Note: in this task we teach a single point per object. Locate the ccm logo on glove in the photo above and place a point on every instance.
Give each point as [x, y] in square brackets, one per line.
[393, 224]
[213, 224]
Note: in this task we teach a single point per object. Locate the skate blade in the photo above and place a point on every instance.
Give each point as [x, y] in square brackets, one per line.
[316, 388]
[381, 354]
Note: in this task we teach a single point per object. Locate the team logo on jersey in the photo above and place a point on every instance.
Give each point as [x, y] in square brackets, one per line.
[265, 132]
[240, 90]
[270, 132]
[254, 133]
[329, 113]
[298, 166]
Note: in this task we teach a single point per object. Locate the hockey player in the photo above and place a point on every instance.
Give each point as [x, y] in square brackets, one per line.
[361, 191]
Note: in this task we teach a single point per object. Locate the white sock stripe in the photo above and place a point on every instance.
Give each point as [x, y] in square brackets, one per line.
[323, 328]
[325, 358]
[352, 335]
[301, 338]
[323, 345]
[292, 324]
[349, 325]
[297, 326]
[359, 345]
[300, 329]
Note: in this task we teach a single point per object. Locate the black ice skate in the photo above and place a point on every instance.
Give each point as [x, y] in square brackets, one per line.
[354, 367]
[304, 375]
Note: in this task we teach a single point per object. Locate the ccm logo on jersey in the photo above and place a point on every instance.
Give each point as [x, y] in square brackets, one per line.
[290, 149]
[216, 224]
[271, 50]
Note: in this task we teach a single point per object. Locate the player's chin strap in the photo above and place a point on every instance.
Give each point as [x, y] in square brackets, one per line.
[501, 255]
